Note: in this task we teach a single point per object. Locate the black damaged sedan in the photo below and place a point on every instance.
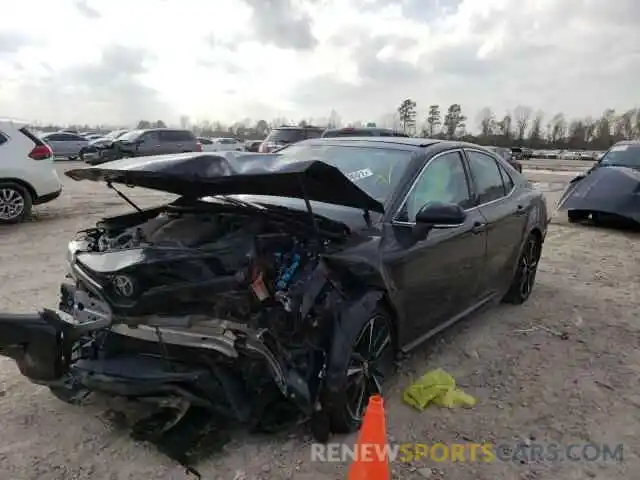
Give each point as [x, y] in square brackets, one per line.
[291, 278]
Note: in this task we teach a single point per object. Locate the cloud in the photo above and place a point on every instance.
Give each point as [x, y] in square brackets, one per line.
[111, 85]
[85, 9]
[576, 56]
[302, 58]
[11, 41]
[280, 23]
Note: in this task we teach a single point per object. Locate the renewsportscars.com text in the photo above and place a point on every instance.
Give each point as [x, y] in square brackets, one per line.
[470, 452]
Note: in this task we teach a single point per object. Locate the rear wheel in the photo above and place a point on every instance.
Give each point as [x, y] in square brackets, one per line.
[15, 202]
[525, 277]
[371, 362]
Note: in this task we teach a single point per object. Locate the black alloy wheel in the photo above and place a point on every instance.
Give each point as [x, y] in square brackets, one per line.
[524, 280]
[371, 363]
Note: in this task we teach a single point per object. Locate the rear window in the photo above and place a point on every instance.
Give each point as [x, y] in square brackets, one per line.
[623, 156]
[375, 170]
[31, 136]
[204, 141]
[292, 135]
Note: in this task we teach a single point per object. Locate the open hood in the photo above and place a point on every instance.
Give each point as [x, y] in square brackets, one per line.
[203, 174]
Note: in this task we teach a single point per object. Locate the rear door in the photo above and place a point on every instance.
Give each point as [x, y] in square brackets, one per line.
[496, 197]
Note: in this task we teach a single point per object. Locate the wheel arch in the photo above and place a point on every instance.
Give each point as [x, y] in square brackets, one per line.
[22, 183]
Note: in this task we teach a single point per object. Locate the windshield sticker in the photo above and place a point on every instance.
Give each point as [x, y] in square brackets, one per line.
[359, 174]
[619, 148]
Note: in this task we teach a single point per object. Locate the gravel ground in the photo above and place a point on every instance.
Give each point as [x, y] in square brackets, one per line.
[534, 384]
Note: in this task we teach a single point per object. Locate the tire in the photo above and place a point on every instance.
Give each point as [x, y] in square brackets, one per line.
[70, 392]
[525, 276]
[15, 203]
[364, 374]
[575, 216]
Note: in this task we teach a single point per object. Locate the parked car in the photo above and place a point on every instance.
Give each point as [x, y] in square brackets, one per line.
[221, 144]
[27, 174]
[361, 132]
[608, 190]
[261, 287]
[286, 135]
[252, 145]
[92, 136]
[95, 145]
[153, 141]
[507, 155]
[65, 144]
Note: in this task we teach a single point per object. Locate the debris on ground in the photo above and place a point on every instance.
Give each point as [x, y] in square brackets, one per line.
[437, 387]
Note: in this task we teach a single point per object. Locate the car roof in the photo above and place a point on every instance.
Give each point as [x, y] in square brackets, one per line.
[298, 127]
[628, 142]
[379, 141]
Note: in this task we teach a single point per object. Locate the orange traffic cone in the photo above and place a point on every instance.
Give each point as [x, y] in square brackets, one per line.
[372, 462]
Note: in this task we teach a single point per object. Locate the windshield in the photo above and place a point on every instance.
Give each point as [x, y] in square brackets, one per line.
[623, 156]
[285, 135]
[377, 171]
[130, 136]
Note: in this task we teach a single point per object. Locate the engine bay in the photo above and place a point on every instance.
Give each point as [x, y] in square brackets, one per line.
[211, 269]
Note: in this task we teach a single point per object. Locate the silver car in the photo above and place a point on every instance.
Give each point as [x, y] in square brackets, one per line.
[65, 144]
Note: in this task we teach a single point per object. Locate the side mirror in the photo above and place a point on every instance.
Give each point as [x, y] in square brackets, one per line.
[441, 215]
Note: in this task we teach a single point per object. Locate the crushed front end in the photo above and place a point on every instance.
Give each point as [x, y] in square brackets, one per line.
[227, 311]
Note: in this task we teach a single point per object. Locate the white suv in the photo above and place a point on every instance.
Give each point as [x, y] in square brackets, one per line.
[27, 174]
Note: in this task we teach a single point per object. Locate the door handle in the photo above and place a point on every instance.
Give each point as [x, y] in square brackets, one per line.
[520, 210]
[478, 227]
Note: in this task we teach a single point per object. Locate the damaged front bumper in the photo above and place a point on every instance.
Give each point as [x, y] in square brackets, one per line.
[58, 348]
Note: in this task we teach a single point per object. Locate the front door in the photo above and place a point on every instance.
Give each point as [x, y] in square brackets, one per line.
[437, 276]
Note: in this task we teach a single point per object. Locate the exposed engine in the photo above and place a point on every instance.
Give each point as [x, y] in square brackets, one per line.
[246, 286]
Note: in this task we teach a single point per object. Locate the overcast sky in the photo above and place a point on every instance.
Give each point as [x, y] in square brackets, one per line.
[117, 61]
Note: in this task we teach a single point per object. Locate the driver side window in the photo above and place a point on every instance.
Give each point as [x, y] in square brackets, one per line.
[443, 180]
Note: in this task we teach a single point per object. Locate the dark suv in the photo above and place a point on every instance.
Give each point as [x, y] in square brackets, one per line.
[361, 132]
[281, 136]
[152, 141]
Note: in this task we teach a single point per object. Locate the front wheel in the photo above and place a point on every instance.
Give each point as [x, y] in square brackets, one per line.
[525, 277]
[370, 363]
[15, 202]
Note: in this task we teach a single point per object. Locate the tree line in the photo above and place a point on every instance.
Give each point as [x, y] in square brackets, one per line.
[524, 127]
[521, 126]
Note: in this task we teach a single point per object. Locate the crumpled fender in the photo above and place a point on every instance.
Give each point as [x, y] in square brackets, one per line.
[611, 189]
[352, 318]
[39, 343]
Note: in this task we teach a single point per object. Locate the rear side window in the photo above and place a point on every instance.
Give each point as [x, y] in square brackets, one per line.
[487, 177]
[3, 139]
[175, 136]
[506, 179]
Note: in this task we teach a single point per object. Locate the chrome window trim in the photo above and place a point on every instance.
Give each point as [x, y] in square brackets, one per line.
[462, 151]
[511, 192]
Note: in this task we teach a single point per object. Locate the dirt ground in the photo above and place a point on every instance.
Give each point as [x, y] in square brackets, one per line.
[563, 368]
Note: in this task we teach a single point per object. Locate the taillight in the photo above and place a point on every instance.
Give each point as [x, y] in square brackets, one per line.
[41, 152]
[198, 147]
